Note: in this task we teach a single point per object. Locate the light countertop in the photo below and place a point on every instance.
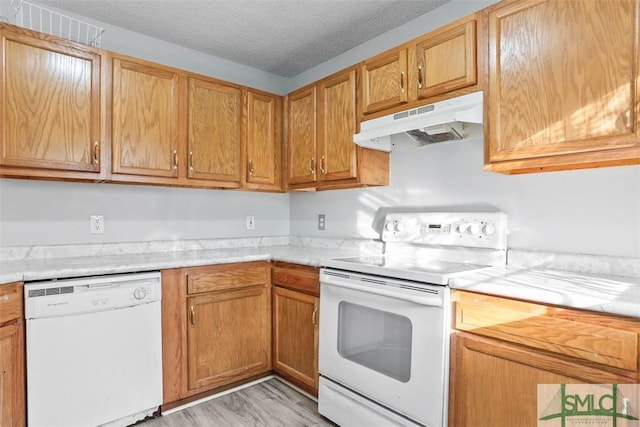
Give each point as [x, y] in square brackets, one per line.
[543, 283]
[607, 294]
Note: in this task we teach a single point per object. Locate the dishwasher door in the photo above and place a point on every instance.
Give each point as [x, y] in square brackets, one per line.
[98, 360]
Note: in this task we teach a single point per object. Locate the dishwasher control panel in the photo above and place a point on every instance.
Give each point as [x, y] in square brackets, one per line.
[73, 296]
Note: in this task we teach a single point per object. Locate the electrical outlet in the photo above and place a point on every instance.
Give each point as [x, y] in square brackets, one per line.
[96, 223]
[251, 222]
[321, 222]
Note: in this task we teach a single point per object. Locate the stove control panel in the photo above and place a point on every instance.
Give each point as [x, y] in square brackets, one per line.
[471, 229]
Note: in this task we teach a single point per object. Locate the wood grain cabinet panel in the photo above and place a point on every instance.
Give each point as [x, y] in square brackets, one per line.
[229, 336]
[145, 119]
[563, 89]
[263, 118]
[295, 337]
[441, 64]
[12, 357]
[336, 127]
[216, 328]
[384, 81]
[328, 158]
[510, 346]
[301, 134]
[213, 129]
[447, 60]
[50, 113]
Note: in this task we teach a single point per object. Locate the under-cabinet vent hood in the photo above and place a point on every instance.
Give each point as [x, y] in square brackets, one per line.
[438, 122]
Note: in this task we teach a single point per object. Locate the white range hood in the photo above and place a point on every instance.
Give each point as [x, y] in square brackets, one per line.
[431, 123]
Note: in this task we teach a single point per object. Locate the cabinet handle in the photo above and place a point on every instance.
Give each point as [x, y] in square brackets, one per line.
[314, 316]
[193, 316]
[322, 165]
[402, 81]
[175, 159]
[419, 76]
[96, 153]
[250, 167]
[312, 165]
[191, 160]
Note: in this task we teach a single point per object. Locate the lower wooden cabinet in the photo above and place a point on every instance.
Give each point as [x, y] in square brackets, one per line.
[295, 337]
[502, 349]
[12, 357]
[229, 336]
[295, 324]
[216, 324]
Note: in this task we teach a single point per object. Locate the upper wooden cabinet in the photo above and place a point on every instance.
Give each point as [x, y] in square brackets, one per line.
[321, 122]
[447, 59]
[563, 89]
[336, 114]
[440, 64]
[384, 81]
[301, 136]
[51, 109]
[145, 118]
[263, 140]
[213, 131]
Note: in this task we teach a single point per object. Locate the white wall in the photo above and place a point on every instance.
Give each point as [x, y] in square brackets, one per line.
[595, 211]
[45, 213]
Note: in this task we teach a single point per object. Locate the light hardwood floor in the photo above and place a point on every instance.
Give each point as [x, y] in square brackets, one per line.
[270, 403]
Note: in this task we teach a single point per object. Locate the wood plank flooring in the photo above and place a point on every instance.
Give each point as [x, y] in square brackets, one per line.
[270, 403]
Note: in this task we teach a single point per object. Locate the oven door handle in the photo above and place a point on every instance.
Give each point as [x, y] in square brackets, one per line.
[427, 299]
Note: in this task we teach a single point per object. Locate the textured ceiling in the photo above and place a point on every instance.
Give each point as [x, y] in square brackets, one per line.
[284, 37]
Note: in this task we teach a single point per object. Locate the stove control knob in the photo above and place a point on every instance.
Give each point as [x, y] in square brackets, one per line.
[474, 229]
[488, 229]
[462, 227]
[400, 227]
[389, 226]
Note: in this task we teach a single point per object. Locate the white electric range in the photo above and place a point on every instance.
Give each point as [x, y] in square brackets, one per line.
[385, 320]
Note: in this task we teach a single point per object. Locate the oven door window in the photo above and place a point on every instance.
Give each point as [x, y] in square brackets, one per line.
[376, 339]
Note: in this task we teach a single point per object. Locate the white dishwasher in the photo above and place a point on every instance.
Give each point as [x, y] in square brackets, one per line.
[94, 350]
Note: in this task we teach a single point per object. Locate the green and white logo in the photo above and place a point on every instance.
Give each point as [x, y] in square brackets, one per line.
[575, 405]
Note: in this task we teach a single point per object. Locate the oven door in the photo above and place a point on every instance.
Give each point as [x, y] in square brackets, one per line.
[387, 340]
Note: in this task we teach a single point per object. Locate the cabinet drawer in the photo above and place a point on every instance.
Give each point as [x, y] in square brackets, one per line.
[602, 339]
[296, 277]
[227, 276]
[11, 302]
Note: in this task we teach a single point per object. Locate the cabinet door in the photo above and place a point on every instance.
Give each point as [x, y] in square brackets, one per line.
[50, 109]
[12, 387]
[447, 60]
[561, 78]
[263, 119]
[512, 374]
[229, 336]
[295, 337]
[215, 114]
[336, 126]
[301, 136]
[145, 119]
[384, 81]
